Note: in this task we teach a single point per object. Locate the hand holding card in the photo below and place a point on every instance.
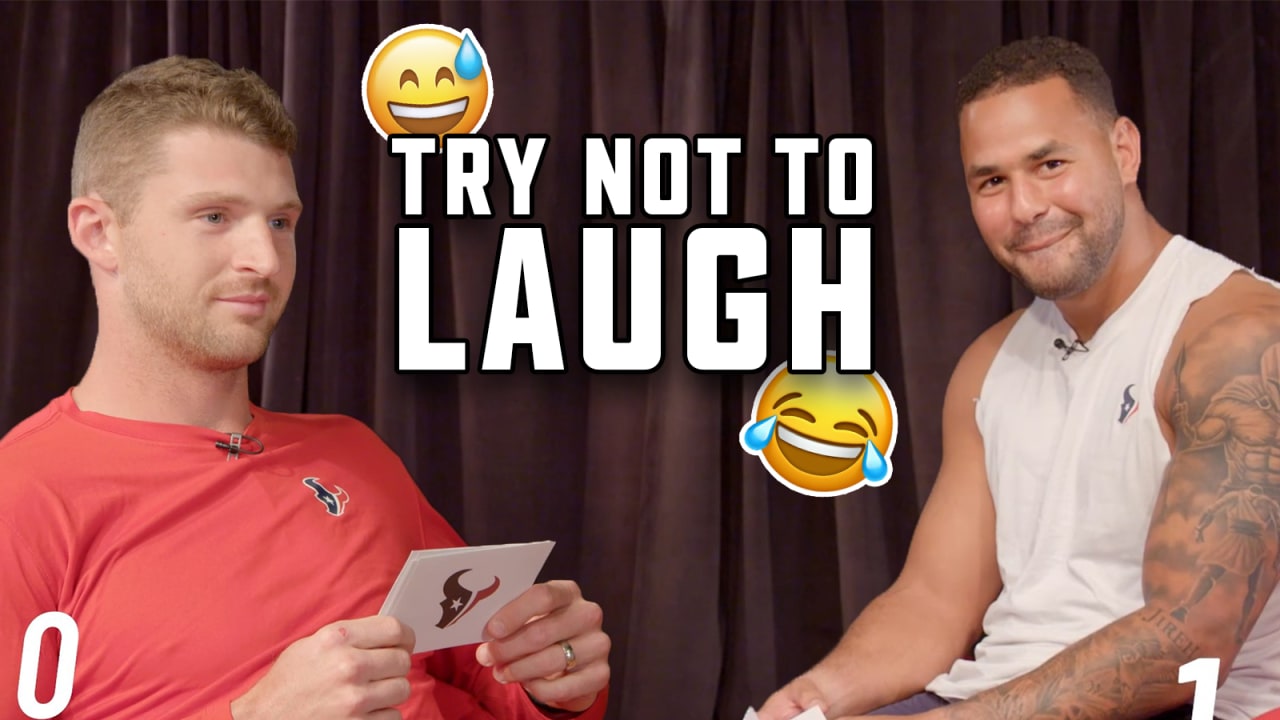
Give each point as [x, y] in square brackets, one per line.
[550, 640]
[796, 698]
[448, 595]
[356, 664]
[546, 637]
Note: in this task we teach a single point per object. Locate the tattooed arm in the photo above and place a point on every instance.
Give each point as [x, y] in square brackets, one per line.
[1211, 551]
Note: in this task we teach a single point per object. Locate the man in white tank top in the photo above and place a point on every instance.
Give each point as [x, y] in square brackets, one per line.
[1107, 511]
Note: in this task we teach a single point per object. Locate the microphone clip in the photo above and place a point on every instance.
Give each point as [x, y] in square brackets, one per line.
[236, 447]
[1075, 346]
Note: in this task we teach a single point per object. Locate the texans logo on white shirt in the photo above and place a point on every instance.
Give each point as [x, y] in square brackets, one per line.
[1129, 406]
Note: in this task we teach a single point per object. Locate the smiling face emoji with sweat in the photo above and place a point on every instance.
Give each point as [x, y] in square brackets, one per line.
[427, 80]
[823, 434]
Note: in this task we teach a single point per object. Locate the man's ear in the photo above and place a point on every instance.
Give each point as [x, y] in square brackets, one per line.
[94, 230]
[1126, 144]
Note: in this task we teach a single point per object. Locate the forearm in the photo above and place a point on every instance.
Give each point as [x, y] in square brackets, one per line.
[900, 642]
[1129, 669]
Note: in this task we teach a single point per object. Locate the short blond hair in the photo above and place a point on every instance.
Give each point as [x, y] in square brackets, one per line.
[121, 129]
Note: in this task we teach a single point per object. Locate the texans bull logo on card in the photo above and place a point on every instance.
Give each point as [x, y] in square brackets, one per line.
[334, 502]
[459, 601]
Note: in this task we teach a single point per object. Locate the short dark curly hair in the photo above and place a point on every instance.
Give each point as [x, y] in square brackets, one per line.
[1029, 61]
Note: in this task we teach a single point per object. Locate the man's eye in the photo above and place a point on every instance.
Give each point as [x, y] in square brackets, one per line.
[280, 224]
[1053, 164]
[214, 218]
[992, 182]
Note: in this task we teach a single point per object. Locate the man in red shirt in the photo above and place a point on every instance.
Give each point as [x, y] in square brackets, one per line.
[237, 584]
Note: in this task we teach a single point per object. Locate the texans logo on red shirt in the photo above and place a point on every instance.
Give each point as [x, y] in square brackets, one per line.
[334, 502]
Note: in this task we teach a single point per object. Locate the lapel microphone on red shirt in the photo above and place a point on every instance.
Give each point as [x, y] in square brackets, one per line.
[236, 447]
[1075, 346]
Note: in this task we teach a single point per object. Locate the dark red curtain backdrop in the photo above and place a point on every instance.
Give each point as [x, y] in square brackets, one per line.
[717, 582]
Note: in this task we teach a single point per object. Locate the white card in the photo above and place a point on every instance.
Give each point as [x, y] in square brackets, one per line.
[813, 713]
[447, 596]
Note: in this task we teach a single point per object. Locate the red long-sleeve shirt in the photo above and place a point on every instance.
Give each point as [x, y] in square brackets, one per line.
[187, 573]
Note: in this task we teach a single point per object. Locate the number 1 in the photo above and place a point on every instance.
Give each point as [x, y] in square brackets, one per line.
[1204, 673]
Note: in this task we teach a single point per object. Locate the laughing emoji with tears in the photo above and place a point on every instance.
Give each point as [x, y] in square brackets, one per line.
[823, 434]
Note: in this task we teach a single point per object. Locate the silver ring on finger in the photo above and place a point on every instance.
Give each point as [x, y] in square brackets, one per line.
[570, 658]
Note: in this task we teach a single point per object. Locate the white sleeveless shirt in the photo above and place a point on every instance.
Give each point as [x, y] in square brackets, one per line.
[1074, 470]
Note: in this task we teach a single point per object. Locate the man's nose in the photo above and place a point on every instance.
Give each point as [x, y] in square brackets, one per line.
[257, 251]
[1027, 201]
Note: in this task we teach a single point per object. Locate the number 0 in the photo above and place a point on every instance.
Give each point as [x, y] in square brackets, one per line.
[31, 665]
[1204, 673]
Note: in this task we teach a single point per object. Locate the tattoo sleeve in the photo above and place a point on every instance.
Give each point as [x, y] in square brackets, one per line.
[1211, 556]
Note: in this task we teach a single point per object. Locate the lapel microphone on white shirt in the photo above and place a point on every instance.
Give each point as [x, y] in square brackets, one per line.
[1075, 346]
[236, 447]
